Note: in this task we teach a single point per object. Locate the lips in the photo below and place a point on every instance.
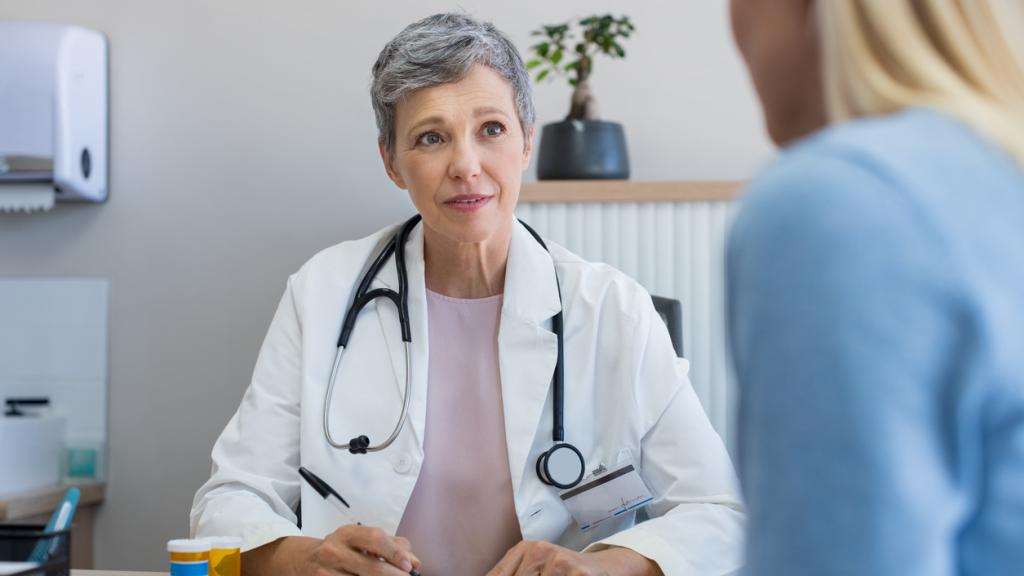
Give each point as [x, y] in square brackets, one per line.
[468, 203]
[467, 199]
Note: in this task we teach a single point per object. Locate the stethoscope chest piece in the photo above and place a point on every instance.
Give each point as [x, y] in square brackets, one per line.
[562, 466]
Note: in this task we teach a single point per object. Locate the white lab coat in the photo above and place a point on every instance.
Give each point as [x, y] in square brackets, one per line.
[626, 396]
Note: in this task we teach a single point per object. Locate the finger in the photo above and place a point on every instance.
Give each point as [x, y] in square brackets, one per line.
[404, 544]
[362, 564]
[378, 543]
[510, 562]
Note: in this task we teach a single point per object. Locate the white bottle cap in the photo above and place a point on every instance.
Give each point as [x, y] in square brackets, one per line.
[188, 546]
[224, 542]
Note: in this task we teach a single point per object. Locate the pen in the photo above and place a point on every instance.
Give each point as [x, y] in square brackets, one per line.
[327, 493]
[322, 488]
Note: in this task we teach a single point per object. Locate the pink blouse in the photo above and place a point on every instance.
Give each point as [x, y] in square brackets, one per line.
[461, 517]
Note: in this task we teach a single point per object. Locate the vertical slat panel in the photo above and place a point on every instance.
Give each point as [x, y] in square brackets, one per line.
[699, 290]
[683, 230]
[575, 231]
[557, 223]
[612, 225]
[730, 386]
[664, 250]
[594, 238]
[647, 245]
[718, 408]
[629, 261]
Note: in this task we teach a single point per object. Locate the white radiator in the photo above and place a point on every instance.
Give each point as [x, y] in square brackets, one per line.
[674, 249]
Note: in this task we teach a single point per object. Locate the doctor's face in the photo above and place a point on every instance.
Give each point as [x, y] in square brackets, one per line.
[779, 41]
[460, 152]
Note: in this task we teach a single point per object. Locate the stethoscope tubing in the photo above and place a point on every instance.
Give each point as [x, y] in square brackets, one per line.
[396, 247]
[401, 420]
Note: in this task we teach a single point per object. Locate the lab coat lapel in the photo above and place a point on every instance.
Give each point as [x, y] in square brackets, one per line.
[391, 327]
[527, 349]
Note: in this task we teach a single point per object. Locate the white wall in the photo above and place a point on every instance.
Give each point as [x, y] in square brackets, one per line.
[243, 142]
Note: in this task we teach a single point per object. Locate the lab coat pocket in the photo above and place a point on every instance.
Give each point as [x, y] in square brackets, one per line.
[604, 460]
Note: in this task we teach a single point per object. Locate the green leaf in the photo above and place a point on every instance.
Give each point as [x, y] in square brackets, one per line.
[543, 74]
[572, 65]
[533, 64]
[556, 57]
[619, 50]
[542, 49]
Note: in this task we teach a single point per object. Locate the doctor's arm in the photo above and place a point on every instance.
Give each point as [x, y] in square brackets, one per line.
[255, 485]
[697, 518]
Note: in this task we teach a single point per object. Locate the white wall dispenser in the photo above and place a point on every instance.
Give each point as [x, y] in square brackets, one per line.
[53, 115]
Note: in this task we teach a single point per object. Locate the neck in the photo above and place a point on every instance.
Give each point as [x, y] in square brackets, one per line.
[466, 269]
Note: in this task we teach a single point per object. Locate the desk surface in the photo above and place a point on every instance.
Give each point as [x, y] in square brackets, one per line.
[114, 573]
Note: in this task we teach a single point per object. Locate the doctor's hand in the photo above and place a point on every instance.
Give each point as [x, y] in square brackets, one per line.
[531, 558]
[351, 550]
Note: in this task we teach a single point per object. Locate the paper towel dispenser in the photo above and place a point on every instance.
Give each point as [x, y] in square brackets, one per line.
[53, 109]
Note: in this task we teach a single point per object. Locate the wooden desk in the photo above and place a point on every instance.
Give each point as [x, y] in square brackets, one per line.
[114, 573]
[36, 506]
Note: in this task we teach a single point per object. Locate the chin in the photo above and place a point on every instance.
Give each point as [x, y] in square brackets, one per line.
[472, 230]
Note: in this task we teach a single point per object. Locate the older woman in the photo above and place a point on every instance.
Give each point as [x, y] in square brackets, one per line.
[877, 291]
[480, 373]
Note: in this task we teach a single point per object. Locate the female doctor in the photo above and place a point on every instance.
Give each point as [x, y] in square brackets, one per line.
[481, 371]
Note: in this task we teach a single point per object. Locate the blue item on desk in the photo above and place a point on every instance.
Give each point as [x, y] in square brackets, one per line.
[59, 520]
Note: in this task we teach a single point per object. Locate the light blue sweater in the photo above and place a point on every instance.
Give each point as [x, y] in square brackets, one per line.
[876, 312]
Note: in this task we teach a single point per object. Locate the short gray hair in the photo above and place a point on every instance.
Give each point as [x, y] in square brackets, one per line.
[440, 49]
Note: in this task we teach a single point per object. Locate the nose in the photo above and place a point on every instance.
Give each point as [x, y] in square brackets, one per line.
[465, 161]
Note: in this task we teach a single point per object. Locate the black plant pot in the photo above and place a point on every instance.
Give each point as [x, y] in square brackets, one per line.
[582, 150]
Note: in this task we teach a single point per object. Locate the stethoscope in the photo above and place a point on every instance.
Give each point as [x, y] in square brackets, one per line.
[560, 466]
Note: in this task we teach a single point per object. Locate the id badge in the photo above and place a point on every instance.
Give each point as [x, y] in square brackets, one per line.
[606, 495]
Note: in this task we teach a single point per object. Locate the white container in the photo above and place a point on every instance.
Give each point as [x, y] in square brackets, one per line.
[30, 452]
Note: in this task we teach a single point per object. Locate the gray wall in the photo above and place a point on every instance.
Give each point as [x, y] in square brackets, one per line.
[243, 142]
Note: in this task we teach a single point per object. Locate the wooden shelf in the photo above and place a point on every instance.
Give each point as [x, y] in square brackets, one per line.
[629, 191]
[44, 500]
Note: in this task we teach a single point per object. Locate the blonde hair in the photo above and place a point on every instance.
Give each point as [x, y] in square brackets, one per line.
[880, 56]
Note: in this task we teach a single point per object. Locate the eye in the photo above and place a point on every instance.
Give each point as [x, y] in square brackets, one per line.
[493, 129]
[429, 139]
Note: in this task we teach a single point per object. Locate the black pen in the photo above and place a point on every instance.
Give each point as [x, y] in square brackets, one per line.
[327, 493]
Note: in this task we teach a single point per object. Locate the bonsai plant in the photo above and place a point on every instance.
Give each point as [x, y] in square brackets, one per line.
[581, 146]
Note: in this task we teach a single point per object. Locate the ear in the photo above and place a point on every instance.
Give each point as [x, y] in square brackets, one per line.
[386, 158]
[528, 147]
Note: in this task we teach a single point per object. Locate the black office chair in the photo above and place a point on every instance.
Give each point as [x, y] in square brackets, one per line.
[671, 311]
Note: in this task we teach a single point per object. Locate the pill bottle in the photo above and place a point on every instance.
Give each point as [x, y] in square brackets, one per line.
[189, 557]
